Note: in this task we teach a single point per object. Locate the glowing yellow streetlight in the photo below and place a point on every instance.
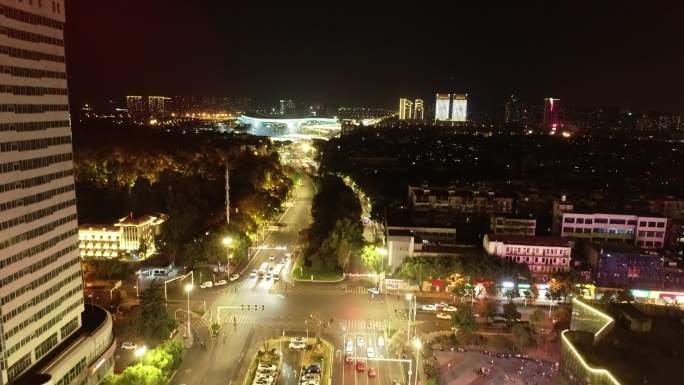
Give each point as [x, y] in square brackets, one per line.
[417, 344]
[188, 289]
[228, 242]
[139, 352]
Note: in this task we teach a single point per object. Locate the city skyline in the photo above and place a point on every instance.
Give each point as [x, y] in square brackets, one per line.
[532, 52]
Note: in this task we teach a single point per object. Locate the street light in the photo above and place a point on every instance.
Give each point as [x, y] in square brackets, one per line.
[228, 242]
[140, 352]
[410, 298]
[418, 345]
[188, 289]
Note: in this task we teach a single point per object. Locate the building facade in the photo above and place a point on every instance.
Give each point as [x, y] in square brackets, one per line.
[512, 225]
[442, 107]
[458, 199]
[42, 284]
[405, 109]
[418, 109]
[129, 236]
[459, 108]
[551, 116]
[643, 231]
[544, 255]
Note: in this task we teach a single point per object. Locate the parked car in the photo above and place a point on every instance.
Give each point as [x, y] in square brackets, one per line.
[441, 305]
[374, 291]
[372, 372]
[359, 341]
[370, 352]
[129, 346]
[271, 258]
[253, 274]
[348, 359]
[313, 368]
[450, 308]
[207, 285]
[234, 277]
[221, 283]
[428, 307]
[297, 345]
[443, 316]
[271, 367]
[361, 365]
[381, 341]
[349, 347]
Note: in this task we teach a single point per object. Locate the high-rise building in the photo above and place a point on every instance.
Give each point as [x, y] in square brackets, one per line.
[42, 303]
[405, 109]
[550, 119]
[459, 107]
[287, 107]
[442, 102]
[418, 109]
[512, 110]
[137, 107]
[158, 106]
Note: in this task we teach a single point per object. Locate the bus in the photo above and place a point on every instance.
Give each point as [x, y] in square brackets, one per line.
[263, 269]
[277, 271]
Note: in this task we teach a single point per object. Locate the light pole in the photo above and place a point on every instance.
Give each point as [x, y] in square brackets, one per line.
[188, 289]
[228, 242]
[383, 252]
[140, 352]
[412, 304]
[418, 345]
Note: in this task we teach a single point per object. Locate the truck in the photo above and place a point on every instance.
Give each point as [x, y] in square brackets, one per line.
[277, 271]
[263, 270]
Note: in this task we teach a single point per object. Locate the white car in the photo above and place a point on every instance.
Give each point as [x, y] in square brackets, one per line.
[263, 381]
[381, 341]
[270, 367]
[234, 277]
[428, 307]
[374, 291]
[443, 316]
[450, 308]
[129, 346]
[253, 274]
[370, 352]
[349, 347]
[207, 285]
[221, 282]
[271, 258]
[359, 342]
[297, 345]
[267, 377]
[441, 304]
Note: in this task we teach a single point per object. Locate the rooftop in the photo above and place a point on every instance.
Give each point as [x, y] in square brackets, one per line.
[651, 357]
[531, 240]
[98, 227]
[139, 221]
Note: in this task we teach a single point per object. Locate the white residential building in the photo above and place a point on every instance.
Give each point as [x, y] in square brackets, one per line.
[41, 288]
[544, 255]
[643, 231]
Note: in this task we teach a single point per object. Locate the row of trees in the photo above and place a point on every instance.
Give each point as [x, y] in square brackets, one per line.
[336, 232]
[155, 368]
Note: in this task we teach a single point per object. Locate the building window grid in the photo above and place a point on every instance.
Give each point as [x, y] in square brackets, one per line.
[36, 198]
[32, 72]
[37, 248]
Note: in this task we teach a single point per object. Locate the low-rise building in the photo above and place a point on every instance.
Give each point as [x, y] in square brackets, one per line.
[458, 199]
[669, 207]
[621, 344]
[544, 255]
[510, 224]
[403, 243]
[625, 266]
[643, 231]
[132, 236]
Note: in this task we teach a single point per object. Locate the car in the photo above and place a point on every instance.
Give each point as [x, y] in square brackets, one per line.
[269, 276]
[271, 258]
[207, 285]
[253, 274]
[372, 372]
[428, 307]
[370, 352]
[129, 346]
[265, 377]
[349, 347]
[221, 282]
[348, 359]
[266, 372]
[361, 365]
[270, 367]
[359, 341]
[234, 277]
[450, 308]
[297, 345]
[381, 341]
[297, 339]
[263, 381]
[442, 304]
[311, 377]
[374, 291]
[313, 368]
[443, 316]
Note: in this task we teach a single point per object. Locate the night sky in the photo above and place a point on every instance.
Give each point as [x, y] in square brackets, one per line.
[616, 54]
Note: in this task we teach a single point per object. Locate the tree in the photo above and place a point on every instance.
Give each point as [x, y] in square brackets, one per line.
[522, 337]
[510, 312]
[154, 321]
[537, 316]
[372, 258]
[490, 308]
[138, 375]
[464, 319]
[166, 356]
[624, 295]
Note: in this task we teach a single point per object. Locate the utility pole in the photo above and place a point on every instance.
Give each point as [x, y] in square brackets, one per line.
[227, 196]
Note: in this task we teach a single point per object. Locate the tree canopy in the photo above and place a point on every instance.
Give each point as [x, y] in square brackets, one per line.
[154, 322]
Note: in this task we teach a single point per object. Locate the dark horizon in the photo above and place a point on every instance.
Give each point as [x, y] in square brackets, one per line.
[603, 55]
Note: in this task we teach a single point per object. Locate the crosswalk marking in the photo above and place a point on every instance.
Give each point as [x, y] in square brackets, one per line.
[358, 324]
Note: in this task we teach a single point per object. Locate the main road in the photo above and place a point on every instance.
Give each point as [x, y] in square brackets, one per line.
[252, 310]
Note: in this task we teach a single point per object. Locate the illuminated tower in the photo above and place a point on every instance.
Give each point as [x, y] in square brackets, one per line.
[418, 109]
[405, 109]
[550, 119]
[459, 107]
[442, 107]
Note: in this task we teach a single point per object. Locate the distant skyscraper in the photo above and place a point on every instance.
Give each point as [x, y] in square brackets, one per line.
[137, 107]
[442, 107]
[512, 110]
[405, 109]
[158, 106]
[550, 119]
[287, 107]
[40, 267]
[459, 107]
[418, 110]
